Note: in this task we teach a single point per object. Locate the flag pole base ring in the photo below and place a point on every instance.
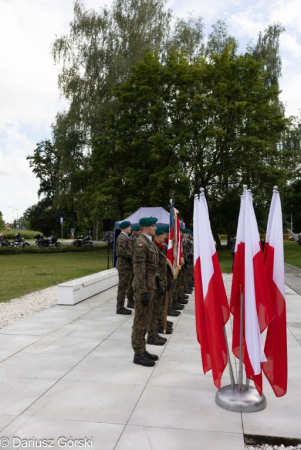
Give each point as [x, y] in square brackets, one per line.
[245, 401]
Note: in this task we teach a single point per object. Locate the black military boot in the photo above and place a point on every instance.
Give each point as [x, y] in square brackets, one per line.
[169, 323]
[130, 305]
[172, 312]
[182, 301]
[178, 307]
[124, 311]
[188, 291]
[143, 360]
[154, 340]
[161, 337]
[186, 296]
[161, 331]
[151, 356]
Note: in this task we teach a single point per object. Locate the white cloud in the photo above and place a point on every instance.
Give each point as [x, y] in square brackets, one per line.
[18, 185]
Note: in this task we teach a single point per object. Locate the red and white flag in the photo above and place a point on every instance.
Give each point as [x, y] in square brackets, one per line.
[174, 255]
[249, 278]
[275, 368]
[211, 304]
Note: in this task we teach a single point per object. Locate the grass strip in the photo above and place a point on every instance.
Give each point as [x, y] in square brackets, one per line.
[23, 274]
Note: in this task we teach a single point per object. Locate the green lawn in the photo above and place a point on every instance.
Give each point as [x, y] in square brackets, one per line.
[225, 260]
[23, 274]
[292, 255]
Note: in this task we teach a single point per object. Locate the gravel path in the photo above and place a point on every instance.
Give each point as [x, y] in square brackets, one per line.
[26, 306]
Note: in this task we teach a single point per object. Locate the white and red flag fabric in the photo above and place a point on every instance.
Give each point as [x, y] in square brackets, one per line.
[174, 256]
[275, 368]
[211, 304]
[249, 277]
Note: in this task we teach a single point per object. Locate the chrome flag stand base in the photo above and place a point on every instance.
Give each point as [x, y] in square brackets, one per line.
[240, 397]
[246, 400]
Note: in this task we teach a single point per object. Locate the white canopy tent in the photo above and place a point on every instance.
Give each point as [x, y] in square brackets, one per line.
[160, 213]
[157, 211]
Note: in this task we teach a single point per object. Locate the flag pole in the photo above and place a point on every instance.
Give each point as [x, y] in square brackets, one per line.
[243, 398]
[165, 312]
[229, 360]
[240, 373]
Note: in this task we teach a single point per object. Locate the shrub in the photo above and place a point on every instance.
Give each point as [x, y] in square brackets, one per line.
[26, 234]
[63, 249]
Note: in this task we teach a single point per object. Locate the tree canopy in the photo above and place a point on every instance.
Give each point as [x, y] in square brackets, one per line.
[154, 105]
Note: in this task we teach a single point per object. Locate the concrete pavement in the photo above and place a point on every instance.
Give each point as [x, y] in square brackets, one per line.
[67, 372]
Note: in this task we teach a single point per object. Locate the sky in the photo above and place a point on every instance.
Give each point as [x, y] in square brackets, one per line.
[29, 96]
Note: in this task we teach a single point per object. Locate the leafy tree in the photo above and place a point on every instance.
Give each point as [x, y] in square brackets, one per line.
[45, 164]
[267, 50]
[212, 123]
[2, 223]
[98, 54]
[188, 36]
[45, 218]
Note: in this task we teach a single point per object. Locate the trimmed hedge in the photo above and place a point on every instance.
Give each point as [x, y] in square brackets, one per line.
[26, 234]
[63, 249]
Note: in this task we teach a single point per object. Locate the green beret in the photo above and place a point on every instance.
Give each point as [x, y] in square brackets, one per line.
[135, 228]
[124, 224]
[166, 229]
[148, 221]
[160, 230]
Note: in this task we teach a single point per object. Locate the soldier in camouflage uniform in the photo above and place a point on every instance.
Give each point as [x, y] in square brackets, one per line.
[158, 306]
[191, 261]
[130, 292]
[145, 262]
[178, 286]
[124, 266]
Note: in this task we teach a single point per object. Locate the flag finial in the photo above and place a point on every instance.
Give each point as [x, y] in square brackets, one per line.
[202, 191]
[275, 188]
[245, 186]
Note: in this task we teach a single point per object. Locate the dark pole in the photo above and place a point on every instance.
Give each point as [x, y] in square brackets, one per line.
[108, 253]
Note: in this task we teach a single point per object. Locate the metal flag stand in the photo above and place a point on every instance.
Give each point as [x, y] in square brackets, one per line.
[239, 397]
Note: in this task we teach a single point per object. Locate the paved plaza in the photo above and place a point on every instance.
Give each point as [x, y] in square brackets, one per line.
[67, 372]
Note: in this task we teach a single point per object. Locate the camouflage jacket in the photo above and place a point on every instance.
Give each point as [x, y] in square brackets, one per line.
[145, 263]
[185, 250]
[162, 266]
[124, 251]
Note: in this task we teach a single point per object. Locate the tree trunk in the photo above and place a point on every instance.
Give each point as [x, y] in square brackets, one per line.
[217, 240]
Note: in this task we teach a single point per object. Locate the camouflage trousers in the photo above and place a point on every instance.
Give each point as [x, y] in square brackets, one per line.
[141, 321]
[171, 294]
[161, 313]
[124, 280]
[130, 291]
[157, 311]
[177, 288]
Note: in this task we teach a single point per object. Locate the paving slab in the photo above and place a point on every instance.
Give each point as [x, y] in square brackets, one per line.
[68, 371]
[104, 435]
[152, 438]
[17, 394]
